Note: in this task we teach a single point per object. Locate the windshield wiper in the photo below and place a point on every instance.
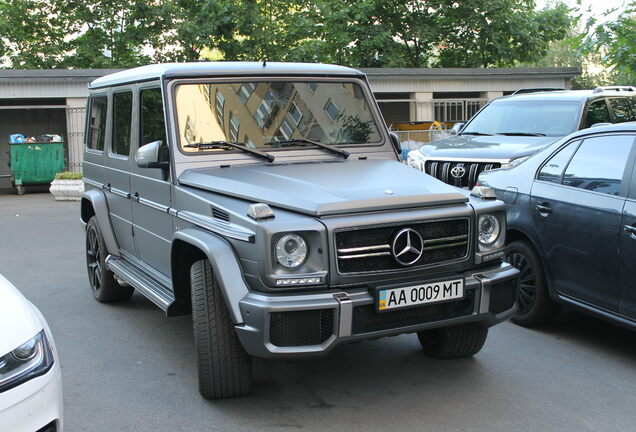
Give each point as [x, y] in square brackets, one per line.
[233, 145]
[520, 134]
[343, 153]
[476, 133]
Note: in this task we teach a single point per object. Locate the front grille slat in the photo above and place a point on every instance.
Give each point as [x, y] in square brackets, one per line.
[368, 249]
[471, 171]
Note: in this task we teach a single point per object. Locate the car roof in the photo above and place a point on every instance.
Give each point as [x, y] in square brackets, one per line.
[222, 68]
[564, 95]
[617, 127]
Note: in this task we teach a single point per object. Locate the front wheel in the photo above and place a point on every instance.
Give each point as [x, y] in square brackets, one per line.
[225, 369]
[460, 341]
[535, 305]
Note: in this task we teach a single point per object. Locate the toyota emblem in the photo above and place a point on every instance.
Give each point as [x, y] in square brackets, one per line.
[458, 171]
[407, 246]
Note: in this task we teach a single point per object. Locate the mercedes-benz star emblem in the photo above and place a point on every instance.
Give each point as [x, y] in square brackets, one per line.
[407, 246]
[458, 172]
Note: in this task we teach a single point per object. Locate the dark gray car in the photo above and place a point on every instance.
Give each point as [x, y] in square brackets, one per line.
[511, 128]
[267, 200]
[572, 225]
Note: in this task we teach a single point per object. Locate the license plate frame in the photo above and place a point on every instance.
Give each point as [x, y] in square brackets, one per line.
[408, 289]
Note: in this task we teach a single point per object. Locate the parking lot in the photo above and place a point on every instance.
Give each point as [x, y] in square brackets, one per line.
[126, 367]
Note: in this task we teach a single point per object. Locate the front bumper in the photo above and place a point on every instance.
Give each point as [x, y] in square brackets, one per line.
[305, 325]
[34, 404]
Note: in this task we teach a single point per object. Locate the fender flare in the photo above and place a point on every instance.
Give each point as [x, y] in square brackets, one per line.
[97, 198]
[224, 263]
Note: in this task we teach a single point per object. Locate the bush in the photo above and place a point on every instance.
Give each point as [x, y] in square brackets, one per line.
[67, 175]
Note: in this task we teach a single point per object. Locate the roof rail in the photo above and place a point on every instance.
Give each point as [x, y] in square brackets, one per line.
[615, 88]
[533, 90]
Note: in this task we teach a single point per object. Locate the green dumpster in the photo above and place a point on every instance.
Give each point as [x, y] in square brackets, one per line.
[35, 163]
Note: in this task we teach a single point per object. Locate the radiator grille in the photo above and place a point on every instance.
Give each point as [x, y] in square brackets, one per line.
[367, 320]
[466, 173]
[300, 328]
[370, 249]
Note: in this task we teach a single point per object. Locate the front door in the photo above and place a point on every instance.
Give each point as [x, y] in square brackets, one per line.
[151, 188]
[577, 215]
[117, 170]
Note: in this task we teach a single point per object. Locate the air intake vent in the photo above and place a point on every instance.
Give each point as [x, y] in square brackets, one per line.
[220, 215]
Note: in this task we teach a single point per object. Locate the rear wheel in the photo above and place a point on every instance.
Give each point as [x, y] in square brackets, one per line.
[20, 189]
[103, 284]
[535, 305]
[460, 341]
[225, 369]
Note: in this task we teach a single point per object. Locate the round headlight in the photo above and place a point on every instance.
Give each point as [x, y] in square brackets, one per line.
[488, 229]
[291, 251]
[26, 351]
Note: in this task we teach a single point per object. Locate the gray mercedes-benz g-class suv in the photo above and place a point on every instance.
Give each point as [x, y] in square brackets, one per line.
[267, 200]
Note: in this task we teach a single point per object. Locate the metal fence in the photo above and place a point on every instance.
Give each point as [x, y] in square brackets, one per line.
[456, 110]
[75, 137]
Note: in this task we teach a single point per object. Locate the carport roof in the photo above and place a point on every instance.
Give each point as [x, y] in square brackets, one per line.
[471, 73]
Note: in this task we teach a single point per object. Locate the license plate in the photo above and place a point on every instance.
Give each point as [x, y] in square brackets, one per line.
[425, 293]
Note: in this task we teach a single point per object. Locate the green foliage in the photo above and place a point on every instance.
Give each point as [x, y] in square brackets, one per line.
[360, 33]
[67, 175]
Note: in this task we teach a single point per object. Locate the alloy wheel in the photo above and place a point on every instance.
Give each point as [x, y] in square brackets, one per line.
[527, 281]
[93, 259]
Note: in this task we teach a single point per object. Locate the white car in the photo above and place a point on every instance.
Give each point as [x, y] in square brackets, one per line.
[30, 383]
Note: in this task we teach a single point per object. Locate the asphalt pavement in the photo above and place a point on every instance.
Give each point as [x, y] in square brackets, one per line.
[126, 367]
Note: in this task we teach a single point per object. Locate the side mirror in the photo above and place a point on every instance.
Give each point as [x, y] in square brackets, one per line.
[457, 127]
[395, 140]
[150, 155]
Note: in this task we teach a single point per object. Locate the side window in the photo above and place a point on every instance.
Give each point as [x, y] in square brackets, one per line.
[153, 126]
[622, 111]
[97, 126]
[122, 116]
[597, 113]
[553, 168]
[599, 164]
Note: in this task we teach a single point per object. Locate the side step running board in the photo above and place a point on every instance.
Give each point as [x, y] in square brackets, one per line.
[154, 290]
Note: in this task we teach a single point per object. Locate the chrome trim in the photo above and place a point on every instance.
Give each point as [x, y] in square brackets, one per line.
[225, 229]
[133, 279]
[467, 160]
[346, 314]
[152, 204]
[443, 239]
[173, 211]
[93, 183]
[445, 245]
[120, 192]
[364, 255]
[364, 248]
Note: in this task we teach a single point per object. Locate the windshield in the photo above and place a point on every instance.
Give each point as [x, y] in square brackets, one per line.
[539, 118]
[271, 115]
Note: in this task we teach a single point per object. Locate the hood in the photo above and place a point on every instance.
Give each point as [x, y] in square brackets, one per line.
[327, 188]
[472, 147]
[18, 322]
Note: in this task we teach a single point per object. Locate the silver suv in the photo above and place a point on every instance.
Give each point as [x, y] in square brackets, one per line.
[268, 202]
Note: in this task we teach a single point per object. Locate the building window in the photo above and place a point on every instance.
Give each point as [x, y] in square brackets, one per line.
[190, 133]
[264, 110]
[295, 113]
[312, 86]
[234, 127]
[332, 110]
[220, 104]
[245, 91]
[285, 130]
[248, 142]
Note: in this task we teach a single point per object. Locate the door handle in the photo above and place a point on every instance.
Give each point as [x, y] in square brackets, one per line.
[544, 209]
[631, 230]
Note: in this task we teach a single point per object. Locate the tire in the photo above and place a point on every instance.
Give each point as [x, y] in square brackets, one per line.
[225, 369]
[20, 189]
[102, 281]
[460, 341]
[535, 306]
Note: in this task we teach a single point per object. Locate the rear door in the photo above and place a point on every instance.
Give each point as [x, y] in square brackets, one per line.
[627, 252]
[597, 112]
[117, 170]
[578, 217]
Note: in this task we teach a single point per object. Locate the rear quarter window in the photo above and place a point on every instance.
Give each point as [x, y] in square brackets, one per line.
[98, 106]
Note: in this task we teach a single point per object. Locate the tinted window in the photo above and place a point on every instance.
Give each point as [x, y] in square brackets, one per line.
[122, 115]
[597, 113]
[553, 168]
[599, 163]
[153, 127]
[97, 127]
[622, 110]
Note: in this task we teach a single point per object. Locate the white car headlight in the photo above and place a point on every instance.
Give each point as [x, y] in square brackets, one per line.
[31, 359]
[291, 251]
[489, 229]
[514, 162]
[415, 159]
